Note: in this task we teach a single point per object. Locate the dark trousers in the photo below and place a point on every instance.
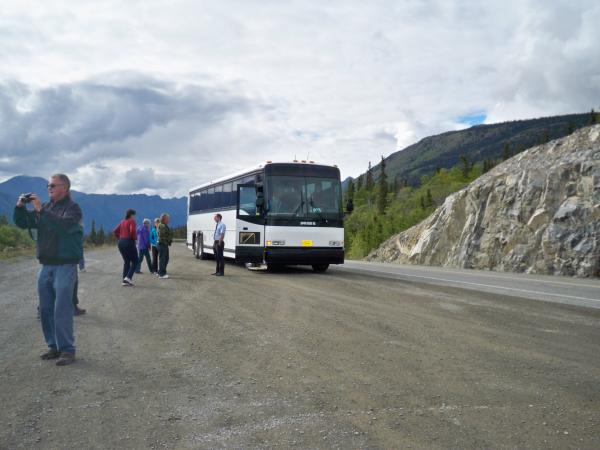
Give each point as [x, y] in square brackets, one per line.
[163, 259]
[219, 258]
[130, 257]
[154, 258]
[143, 253]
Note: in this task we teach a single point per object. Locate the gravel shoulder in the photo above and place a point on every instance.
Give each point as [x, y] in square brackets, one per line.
[295, 359]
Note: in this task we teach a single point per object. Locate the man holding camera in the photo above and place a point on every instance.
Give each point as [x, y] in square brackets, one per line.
[59, 249]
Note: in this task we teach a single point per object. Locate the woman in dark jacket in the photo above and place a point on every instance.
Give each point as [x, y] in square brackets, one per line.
[125, 232]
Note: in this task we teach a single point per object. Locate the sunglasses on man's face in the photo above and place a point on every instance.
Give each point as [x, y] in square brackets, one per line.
[52, 185]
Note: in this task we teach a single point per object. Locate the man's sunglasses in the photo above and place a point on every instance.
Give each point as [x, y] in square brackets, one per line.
[52, 185]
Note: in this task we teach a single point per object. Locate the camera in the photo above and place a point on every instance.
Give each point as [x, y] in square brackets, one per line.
[25, 198]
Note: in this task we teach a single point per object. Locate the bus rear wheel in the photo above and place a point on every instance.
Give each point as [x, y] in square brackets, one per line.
[200, 253]
[320, 267]
[195, 245]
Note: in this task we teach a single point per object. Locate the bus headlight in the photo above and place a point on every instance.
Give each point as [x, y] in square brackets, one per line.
[336, 243]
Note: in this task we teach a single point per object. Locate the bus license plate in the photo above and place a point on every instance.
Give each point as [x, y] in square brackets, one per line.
[307, 243]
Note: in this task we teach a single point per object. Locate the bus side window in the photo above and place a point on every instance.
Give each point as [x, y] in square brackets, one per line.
[247, 201]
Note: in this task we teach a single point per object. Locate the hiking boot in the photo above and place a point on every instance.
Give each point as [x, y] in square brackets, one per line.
[52, 353]
[79, 311]
[65, 359]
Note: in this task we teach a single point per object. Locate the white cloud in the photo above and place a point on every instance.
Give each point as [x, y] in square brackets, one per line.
[189, 91]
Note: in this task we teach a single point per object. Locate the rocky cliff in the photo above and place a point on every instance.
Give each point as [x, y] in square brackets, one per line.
[538, 212]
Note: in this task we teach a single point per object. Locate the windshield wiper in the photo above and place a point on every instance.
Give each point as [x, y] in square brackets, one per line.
[299, 207]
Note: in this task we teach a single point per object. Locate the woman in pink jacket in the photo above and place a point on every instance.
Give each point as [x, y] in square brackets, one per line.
[125, 232]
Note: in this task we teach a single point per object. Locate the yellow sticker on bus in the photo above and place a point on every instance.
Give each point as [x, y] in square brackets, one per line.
[307, 243]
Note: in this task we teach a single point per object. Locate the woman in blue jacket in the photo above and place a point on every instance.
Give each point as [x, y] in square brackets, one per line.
[154, 245]
[143, 240]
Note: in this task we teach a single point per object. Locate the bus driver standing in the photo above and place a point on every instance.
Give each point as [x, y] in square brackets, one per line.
[219, 245]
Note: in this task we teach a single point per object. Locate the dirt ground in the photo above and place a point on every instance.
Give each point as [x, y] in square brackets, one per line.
[295, 359]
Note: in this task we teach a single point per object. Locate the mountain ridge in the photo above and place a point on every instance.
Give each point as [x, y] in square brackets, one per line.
[477, 143]
[106, 210]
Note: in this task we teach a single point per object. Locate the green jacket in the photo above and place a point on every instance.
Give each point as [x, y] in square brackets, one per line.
[59, 230]
[165, 235]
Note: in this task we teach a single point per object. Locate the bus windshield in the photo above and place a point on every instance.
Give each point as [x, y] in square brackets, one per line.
[304, 197]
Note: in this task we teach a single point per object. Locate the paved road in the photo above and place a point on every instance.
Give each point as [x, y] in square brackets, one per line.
[294, 359]
[570, 291]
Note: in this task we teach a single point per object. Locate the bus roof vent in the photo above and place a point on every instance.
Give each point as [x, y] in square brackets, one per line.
[303, 160]
[312, 162]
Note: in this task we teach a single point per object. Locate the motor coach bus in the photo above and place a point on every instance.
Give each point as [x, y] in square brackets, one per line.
[276, 214]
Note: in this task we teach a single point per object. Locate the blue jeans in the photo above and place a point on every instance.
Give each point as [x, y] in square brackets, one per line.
[56, 284]
[143, 252]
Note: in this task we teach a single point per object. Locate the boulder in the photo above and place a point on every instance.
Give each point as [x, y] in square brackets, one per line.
[538, 212]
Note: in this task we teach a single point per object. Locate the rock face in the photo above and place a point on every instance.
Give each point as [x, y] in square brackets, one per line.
[538, 212]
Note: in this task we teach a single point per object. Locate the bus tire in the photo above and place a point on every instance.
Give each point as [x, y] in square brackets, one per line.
[195, 245]
[320, 267]
[274, 267]
[201, 253]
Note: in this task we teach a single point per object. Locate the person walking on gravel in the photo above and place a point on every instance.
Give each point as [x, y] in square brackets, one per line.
[165, 238]
[59, 249]
[125, 232]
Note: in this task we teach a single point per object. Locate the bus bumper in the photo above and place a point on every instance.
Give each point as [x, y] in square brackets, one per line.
[304, 255]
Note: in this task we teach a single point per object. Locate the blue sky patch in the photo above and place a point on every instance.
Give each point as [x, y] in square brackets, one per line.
[473, 119]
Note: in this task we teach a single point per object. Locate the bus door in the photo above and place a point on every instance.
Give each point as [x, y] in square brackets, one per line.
[250, 225]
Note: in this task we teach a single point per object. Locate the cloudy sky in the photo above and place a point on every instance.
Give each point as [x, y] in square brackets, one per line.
[157, 96]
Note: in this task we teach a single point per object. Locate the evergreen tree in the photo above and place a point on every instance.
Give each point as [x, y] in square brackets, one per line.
[571, 127]
[422, 202]
[350, 190]
[92, 237]
[593, 117]
[383, 189]
[369, 182]
[506, 152]
[359, 183]
[3, 220]
[488, 165]
[101, 236]
[429, 198]
[466, 166]
[394, 186]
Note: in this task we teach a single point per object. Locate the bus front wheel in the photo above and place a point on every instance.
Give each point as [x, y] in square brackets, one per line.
[320, 267]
